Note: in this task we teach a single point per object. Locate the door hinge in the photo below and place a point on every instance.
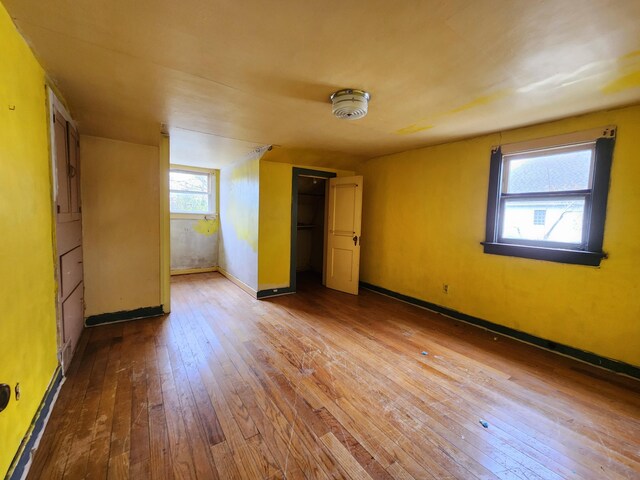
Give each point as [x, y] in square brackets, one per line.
[58, 208]
[54, 118]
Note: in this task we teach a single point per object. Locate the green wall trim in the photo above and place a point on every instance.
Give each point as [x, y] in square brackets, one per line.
[144, 312]
[23, 455]
[588, 357]
[274, 292]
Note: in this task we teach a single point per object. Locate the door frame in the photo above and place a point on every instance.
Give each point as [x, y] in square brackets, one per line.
[54, 104]
[296, 173]
[164, 164]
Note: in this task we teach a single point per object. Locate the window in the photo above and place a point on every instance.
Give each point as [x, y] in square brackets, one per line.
[548, 198]
[191, 192]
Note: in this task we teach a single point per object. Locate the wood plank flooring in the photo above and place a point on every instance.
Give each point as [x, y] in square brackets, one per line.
[323, 385]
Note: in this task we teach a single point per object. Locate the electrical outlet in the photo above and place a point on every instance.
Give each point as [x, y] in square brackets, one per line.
[445, 288]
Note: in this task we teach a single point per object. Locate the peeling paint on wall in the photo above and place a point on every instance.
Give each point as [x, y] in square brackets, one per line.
[194, 243]
[206, 227]
[239, 200]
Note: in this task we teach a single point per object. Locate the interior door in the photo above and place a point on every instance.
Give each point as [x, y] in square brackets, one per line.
[343, 236]
[68, 237]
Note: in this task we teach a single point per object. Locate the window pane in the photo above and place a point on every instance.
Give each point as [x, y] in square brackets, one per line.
[191, 182]
[189, 202]
[549, 172]
[561, 221]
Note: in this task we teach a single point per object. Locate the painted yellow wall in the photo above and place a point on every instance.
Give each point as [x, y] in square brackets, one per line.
[274, 261]
[121, 225]
[239, 199]
[424, 218]
[27, 287]
[313, 158]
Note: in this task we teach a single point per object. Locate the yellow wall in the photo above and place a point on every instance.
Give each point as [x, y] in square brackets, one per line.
[274, 260]
[424, 218]
[275, 225]
[121, 225]
[313, 158]
[27, 287]
[239, 197]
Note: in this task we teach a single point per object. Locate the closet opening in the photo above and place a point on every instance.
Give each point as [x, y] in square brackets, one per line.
[308, 226]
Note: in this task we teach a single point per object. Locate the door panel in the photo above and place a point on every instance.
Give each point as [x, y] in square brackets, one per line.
[74, 173]
[70, 271]
[72, 321]
[343, 219]
[343, 237]
[68, 236]
[62, 166]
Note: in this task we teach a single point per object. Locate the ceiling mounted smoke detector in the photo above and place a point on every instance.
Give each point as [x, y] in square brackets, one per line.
[350, 103]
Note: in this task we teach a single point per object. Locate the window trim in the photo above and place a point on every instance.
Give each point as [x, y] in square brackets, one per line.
[589, 251]
[212, 178]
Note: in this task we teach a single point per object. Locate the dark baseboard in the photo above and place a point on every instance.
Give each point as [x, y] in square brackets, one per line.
[588, 357]
[274, 292]
[123, 315]
[23, 456]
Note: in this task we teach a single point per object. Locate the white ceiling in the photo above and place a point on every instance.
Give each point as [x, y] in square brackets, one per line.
[248, 73]
[204, 150]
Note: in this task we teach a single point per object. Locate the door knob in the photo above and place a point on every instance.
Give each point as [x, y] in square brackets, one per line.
[355, 240]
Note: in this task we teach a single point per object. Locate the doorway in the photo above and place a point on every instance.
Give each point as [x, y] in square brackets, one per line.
[308, 225]
[193, 206]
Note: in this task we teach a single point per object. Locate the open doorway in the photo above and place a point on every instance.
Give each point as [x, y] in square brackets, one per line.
[308, 226]
[193, 202]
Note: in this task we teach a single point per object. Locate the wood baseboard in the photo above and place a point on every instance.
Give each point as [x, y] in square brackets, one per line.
[239, 283]
[275, 292]
[188, 271]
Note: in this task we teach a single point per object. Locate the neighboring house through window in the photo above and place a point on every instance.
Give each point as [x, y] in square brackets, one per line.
[539, 217]
[548, 198]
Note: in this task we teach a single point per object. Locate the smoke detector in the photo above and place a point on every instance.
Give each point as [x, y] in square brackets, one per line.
[350, 103]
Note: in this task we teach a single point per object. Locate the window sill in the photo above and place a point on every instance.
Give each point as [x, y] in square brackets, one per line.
[194, 216]
[575, 257]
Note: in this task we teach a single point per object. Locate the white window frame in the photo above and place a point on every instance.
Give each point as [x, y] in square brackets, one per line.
[212, 193]
[584, 194]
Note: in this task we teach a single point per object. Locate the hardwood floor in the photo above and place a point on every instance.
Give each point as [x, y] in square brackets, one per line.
[326, 385]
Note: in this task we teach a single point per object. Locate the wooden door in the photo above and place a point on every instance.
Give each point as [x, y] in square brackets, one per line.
[68, 237]
[343, 236]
